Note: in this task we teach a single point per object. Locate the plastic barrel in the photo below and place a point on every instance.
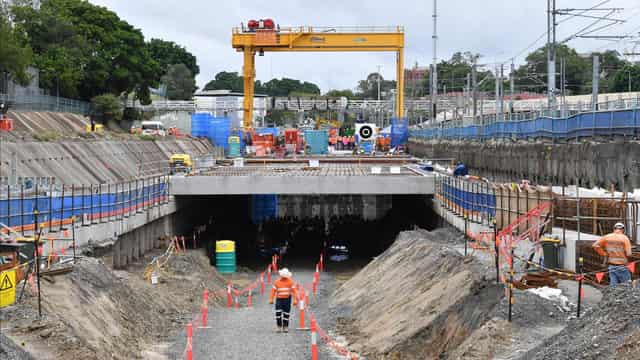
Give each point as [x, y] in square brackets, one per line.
[200, 124]
[234, 146]
[226, 256]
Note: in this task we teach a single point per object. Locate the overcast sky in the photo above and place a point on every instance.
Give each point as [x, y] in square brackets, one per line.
[496, 29]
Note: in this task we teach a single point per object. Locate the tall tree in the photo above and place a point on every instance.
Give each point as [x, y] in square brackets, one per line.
[168, 53]
[368, 88]
[180, 82]
[84, 50]
[274, 87]
[15, 53]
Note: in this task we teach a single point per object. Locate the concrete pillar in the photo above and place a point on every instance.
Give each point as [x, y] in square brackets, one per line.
[136, 244]
[127, 242]
[116, 254]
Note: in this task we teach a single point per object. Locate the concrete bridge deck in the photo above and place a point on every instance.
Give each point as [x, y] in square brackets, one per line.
[366, 176]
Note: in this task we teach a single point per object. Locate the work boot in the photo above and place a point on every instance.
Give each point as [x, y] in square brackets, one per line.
[285, 329]
[278, 329]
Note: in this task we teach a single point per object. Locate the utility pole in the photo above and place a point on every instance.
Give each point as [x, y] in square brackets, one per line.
[467, 95]
[499, 102]
[474, 81]
[595, 82]
[378, 82]
[512, 86]
[434, 66]
[551, 53]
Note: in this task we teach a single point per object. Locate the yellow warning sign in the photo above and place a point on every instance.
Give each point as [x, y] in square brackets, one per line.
[7, 288]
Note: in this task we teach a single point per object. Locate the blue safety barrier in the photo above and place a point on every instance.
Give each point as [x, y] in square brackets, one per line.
[19, 212]
[601, 123]
[464, 195]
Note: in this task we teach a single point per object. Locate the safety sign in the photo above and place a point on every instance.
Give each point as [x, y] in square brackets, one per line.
[7, 288]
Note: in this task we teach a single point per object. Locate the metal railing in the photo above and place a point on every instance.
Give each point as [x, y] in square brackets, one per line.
[25, 209]
[328, 29]
[45, 103]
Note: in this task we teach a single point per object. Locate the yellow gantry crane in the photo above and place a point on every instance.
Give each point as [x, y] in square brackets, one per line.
[260, 39]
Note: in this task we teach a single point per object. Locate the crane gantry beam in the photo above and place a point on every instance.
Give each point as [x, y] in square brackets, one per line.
[317, 39]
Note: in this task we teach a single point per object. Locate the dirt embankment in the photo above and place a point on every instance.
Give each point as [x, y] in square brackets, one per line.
[418, 300]
[98, 313]
[610, 331]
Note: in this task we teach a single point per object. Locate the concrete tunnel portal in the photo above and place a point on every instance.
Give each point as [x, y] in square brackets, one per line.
[365, 225]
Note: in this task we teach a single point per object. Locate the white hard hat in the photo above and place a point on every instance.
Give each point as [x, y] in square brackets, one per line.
[618, 226]
[285, 273]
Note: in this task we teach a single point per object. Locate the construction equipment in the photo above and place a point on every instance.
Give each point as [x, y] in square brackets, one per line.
[180, 163]
[12, 255]
[265, 35]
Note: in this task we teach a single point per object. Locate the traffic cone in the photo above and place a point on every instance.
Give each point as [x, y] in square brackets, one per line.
[314, 340]
[205, 307]
[261, 284]
[269, 275]
[229, 299]
[189, 342]
[315, 287]
[301, 306]
[249, 299]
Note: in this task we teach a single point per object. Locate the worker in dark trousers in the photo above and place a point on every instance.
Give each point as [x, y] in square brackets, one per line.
[283, 290]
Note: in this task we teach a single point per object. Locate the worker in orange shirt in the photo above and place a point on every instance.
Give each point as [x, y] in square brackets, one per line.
[616, 248]
[283, 290]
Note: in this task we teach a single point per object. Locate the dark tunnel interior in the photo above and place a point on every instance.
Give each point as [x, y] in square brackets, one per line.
[302, 237]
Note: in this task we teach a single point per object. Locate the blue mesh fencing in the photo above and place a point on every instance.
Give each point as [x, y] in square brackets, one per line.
[602, 123]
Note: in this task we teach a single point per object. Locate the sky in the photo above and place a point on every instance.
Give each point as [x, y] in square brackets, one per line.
[499, 30]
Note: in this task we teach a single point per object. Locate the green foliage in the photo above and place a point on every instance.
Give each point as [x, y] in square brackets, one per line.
[168, 53]
[275, 87]
[368, 88]
[340, 93]
[628, 73]
[84, 50]
[15, 53]
[106, 108]
[131, 114]
[47, 135]
[180, 82]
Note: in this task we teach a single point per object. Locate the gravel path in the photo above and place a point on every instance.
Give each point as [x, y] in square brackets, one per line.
[250, 333]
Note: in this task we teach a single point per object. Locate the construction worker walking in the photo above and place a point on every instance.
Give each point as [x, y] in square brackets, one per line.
[616, 248]
[283, 291]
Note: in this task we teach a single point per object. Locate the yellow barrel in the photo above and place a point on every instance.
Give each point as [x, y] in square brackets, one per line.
[226, 256]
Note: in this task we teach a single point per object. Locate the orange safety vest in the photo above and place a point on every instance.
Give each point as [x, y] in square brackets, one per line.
[283, 288]
[616, 246]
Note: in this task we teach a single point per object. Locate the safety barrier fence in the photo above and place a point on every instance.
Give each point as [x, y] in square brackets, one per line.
[588, 124]
[25, 209]
[46, 103]
[473, 199]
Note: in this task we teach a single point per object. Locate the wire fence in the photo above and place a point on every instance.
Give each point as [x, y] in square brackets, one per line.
[45, 103]
[24, 209]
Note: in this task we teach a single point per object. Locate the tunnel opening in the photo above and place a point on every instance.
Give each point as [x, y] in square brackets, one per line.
[346, 228]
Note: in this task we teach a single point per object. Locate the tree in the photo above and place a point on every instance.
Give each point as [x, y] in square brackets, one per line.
[180, 82]
[274, 87]
[15, 53]
[83, 50]
[340, 93]
[226, 81]
[106, 107]
[368, 88]
[628, 76]
[167, 53]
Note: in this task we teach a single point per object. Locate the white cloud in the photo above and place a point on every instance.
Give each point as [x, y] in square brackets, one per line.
[497, 29]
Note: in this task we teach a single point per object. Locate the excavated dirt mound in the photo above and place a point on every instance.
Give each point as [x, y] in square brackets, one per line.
[418, 300]
[610, 331]
[95, 312]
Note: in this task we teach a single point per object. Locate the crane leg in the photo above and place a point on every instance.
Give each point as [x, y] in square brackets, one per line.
[249, 74]
[400, 83]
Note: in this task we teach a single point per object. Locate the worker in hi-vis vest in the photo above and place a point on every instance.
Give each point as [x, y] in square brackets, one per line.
[616, 248]
[283, 291]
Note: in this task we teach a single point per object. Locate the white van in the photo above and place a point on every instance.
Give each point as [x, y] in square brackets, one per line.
[153, 128]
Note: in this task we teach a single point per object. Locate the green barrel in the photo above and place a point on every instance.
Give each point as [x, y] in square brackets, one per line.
[226, 256]
[234, 146]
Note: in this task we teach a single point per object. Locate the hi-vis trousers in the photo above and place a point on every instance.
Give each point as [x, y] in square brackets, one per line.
[283, 311]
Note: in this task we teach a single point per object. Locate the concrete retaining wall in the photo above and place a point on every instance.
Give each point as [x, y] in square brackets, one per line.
[589, 164]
